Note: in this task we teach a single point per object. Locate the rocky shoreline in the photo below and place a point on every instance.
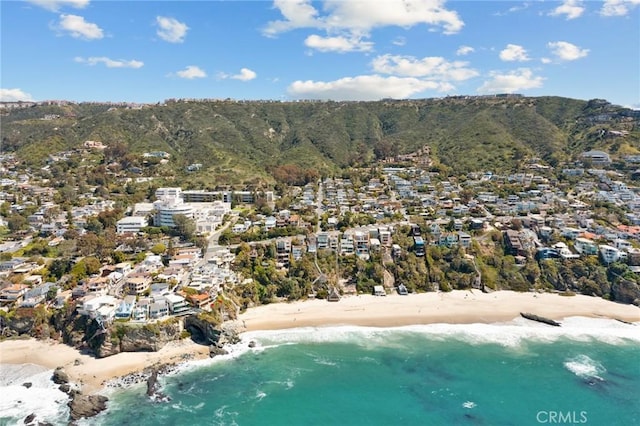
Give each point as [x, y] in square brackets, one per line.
[83, 405]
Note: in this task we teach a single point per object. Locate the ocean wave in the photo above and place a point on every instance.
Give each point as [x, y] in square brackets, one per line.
[585, 367]
[508, 334]
[42, 397]
[469, 404]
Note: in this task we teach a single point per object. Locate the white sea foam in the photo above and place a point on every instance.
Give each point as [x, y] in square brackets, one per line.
[508, 334]
[468, 404]
[233, 351]
[585, 367]
[43, 398]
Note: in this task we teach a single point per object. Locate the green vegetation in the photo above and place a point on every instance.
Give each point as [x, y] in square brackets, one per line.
[266, 142]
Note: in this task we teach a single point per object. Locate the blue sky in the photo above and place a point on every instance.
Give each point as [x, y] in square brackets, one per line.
[149, 51]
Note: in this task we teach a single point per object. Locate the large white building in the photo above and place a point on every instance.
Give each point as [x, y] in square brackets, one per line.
[162, 193]
[167, 208]
[206, 214]
[131, 224]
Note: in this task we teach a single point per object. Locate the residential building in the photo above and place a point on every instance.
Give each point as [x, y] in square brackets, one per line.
[159, 308]
[596, 157]
[137, 284]
[200, 301]
[13, 294]
[177, 304]
[464, 240]
[585, 246]
[610, 254]
[125, 308]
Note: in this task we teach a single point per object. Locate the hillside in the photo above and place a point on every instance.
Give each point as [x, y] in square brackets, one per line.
[249, 139]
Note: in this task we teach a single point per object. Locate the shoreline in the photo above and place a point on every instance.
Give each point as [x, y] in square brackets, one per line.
[90, 373]
[457, 307]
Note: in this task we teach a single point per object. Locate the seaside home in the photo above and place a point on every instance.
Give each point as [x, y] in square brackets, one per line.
[140, 312]
[13, 294]
[610, 254]
[125, 308]
[585, 246]
[137, 284]
[159, 308]
[201, 301]
[177, 304]
[90, 306]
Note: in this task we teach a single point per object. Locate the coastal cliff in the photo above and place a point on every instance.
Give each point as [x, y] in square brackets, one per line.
[135, 338]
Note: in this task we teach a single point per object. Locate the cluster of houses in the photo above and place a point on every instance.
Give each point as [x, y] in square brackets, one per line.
[555, 222]
[147, 291]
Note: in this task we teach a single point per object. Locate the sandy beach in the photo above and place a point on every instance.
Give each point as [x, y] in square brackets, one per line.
[92, 373]
[457, 307]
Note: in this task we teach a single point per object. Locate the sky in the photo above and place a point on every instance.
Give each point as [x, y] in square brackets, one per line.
[149, 51]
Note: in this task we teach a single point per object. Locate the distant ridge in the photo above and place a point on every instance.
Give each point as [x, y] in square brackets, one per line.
[465, 133]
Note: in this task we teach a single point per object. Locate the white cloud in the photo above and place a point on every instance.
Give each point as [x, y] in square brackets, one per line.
[399, 41]
[571, 8]
[546, 60]
[464, 50]
[431, 67]
[338, 44]
[514, 52]
[297, 14]
[55, 5]
[245, 75]
[191, 72]
[109, 63]
[171, 30]
[359, 17]
[14, 95]
[79, 28]
[364, 87]
[511, 82]
[618, 7]
[566, 51]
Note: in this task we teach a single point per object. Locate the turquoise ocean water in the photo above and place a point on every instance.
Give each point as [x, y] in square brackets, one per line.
[517, 373]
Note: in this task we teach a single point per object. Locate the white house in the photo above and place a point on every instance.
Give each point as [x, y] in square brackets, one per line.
[610, 254]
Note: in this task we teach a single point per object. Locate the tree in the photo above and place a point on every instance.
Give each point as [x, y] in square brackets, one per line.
[52, 293]
[185, 226]
[158, 249]
[17, 223]
[60, 267]
[118, 256]
[87, 244]
[92, 265]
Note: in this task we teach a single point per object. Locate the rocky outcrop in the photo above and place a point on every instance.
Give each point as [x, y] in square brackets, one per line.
[538, 318]
[202, 331]
[60, 377]
[150, 337]
[108, 346]
[82, 406]
[153, 387]
[136, 338]
[217, 349]
[626, 291]
[21, 325]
